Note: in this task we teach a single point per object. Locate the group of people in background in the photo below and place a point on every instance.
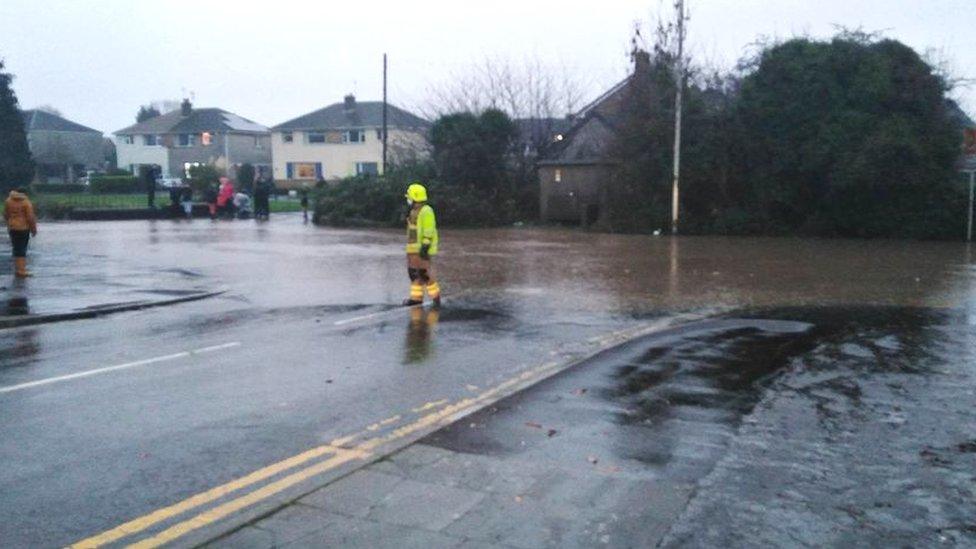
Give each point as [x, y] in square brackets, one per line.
[224, 201]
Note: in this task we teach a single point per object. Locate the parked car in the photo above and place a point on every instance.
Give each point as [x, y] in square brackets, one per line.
[169, 182]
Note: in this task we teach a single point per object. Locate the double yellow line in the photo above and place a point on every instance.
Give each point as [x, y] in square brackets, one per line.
[340, 450]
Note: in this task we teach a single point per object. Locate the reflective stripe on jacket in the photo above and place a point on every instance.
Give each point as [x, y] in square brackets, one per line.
[421, 230]
[19, 213]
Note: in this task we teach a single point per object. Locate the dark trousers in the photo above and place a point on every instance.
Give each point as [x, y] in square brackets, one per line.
[19, 240]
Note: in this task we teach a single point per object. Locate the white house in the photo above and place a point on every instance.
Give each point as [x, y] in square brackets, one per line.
[344, 139]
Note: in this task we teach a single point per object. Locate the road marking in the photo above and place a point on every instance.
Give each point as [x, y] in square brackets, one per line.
[143, 522]
[96, 371]
[429, 405]
[345, 321]
[221, 511]
[343, 454]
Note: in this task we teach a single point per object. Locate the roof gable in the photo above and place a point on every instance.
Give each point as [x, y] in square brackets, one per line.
[363, 114]
[37, 120]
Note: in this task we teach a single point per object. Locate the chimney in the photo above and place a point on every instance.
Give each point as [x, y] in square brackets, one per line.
[186, 107]
[642, 62]
[350, 103]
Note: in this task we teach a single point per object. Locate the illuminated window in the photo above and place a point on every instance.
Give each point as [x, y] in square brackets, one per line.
[206, 138]
[305, 170]
[558, 176]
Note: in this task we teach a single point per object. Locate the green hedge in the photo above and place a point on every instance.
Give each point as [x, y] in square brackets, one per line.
[58, 188]
[117, 184]
[380, 202]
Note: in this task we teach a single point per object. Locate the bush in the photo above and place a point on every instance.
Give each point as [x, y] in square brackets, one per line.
[58, 188]
[117, 184]
[204, 177]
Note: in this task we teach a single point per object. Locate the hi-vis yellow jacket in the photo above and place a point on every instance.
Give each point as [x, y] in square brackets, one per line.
[421, 230]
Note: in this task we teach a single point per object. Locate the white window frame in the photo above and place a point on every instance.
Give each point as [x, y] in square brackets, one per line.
[308, 138]
[347, 134]
[128, 139]
[360, 171]
[191, 140]
[147, 137]
[287, 137]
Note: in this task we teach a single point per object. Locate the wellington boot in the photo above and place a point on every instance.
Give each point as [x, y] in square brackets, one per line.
[20, 267]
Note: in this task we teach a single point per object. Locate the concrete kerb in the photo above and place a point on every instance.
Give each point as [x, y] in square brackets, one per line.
[250, 516]
[29, 320]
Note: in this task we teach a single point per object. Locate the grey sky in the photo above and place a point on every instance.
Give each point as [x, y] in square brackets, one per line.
[97, 61]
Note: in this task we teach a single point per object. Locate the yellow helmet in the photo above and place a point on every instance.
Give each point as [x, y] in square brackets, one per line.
[417, 192]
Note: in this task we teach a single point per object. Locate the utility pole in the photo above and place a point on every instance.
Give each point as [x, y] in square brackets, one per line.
[384, 114]
[679, 83]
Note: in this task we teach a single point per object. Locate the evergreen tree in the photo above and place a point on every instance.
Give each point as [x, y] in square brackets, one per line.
[146, 112]
[16, 166]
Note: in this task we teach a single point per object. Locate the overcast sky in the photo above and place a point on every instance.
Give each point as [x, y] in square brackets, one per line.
[270, 61]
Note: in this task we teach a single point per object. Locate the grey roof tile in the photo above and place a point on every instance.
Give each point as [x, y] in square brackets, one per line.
[44, 121]
[199, 120]
[365, 114]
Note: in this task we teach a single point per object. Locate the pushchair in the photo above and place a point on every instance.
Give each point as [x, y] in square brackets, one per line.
[242, 205]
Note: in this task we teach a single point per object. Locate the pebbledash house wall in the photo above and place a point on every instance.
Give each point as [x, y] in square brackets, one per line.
[242, 148]
[338, 160]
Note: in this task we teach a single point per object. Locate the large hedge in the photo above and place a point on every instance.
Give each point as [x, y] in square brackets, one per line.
[845, 137]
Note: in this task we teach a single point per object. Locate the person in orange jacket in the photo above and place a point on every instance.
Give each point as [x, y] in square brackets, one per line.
[18, 212]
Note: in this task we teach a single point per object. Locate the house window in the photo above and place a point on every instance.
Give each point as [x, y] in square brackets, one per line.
[288, 137]
[257, 142]
[379, 135]
[317, 137]
[150, 140]
[558, 175]
[305, 170]
[206, 138]
[353, 136]
[128, 139]
[187, 140]
[367, 168]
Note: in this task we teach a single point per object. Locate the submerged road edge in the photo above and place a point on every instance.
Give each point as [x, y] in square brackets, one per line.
[30, 320]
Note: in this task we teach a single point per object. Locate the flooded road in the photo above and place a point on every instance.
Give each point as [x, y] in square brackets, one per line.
[801, 357]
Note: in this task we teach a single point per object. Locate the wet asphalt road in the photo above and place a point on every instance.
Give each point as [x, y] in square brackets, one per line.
[297, 365]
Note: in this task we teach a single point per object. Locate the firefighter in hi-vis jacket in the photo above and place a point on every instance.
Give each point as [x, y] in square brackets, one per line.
[421, 247]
